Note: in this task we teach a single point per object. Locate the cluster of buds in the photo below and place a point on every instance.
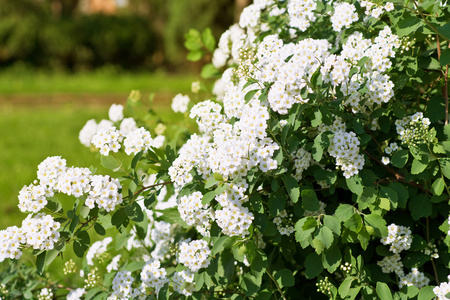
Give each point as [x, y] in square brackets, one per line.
[346, 268]
[69, 267]
[247, 56]
[324, 286]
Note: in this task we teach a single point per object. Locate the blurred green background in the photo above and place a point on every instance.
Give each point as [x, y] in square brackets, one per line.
[63, 62]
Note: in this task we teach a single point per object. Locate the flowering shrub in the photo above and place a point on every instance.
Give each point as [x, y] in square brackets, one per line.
[320, 168]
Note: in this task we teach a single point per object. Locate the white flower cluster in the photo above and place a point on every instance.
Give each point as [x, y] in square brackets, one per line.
[153, 277]
[413, 129]
[39, 232]
[399, 237]
[122, 288]
[375, 10]
[193, 212]
[284, 223]
[45, 294]
[301, 13]
[76, 294]
[115, 112]
[234, 220]
[344, 15]
[345, 148]
[138, 140]
[393, 147]
[290, 67]
[96, 249]
[442, 289]
[194, 254]
[104, 192]
[183, 282]
[180, 103]
[414, 278]
[302, 160]
[106, 137]
[391, 264]
[114, 264]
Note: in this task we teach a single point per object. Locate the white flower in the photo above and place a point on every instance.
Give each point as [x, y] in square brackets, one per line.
[116, 112]
[385, 160]
[180, 103]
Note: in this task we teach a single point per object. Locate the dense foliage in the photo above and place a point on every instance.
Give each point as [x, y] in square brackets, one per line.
[145, 35]
[320, 168]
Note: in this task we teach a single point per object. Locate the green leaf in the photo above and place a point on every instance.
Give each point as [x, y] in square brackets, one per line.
[331, 259]
[219, 244]
[417, 167]
[209, 71]
[426, 293]
[400, 158]
[303, 230]
[321, 142]
[313, 265]
[344, 212]
[135, 265]
[368, 197]
[207, 198]
[284, 277]
[309, 200]
[408, 25]
[208, 39]
[325, 235]
[134, 212]
[438, 186]
[445, 166]
[277, 202]
[193, 40]
[250, 95]
[119, 217]
[383, 291]
[292, 187]
[249, 284]
[354, 183]
[332, 223]
[40, 262]
[99, 229]
[110, 163]
[390, 194]
[345, 286]
[420, 206]
[317, 118]
[378, 223]
[195, 55]
[445, 58]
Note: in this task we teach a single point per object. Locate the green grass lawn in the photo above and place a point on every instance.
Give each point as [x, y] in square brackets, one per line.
[100, 82]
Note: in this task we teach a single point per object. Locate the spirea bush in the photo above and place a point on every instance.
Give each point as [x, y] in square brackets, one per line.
[319, 168]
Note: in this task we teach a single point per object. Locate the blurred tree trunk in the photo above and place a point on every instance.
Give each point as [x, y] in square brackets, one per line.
[64, 8]
[240, 5]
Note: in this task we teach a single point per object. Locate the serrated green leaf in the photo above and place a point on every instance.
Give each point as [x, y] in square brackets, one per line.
[325, 235]
[445, 166]
[420, 206]
[417, 167]
[408, 25]
[400, 158]
[332, 223]
[354, 183]
[378, 223]
[284, 277]
[331, 258]
[313, 265]
[344, 212]
[309, 200]
[438, 186]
